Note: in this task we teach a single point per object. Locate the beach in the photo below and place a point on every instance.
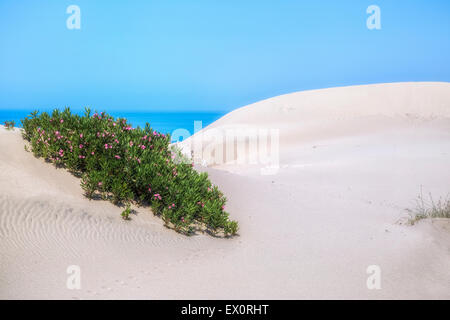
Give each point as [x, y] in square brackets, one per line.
[351, 161]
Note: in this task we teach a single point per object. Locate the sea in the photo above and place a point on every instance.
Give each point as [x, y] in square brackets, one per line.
[164, 122]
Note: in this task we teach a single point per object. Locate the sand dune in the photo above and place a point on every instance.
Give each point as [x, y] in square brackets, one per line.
[309, 117]
[351, 161]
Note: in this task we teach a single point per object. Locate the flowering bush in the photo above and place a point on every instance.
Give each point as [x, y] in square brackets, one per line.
[125, 164]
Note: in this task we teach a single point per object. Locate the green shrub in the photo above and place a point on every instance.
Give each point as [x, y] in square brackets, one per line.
[10, 124]
[126, 213]
[125, 164]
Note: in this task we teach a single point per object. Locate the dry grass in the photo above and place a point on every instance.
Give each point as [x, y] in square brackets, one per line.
[429, 208]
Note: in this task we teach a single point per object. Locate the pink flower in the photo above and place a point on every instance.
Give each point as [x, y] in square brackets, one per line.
[81, 135]
[201, 203]
[223, 207]
[100, 184]
[149, 189]
[81, 146]
[92, 152]
[117, 157]
[61, 121]
[131, 143]
[106, 146]
[157, 196]
[142, 147]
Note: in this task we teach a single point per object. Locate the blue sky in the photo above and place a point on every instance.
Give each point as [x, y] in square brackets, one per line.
[211, 55]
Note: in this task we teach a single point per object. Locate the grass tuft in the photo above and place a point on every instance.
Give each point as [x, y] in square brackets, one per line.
[430, 208]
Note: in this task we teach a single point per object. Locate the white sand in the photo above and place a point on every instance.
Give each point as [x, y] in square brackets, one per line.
[351, 160]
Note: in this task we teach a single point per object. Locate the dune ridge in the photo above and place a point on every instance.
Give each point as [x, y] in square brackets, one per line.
[311, 116]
